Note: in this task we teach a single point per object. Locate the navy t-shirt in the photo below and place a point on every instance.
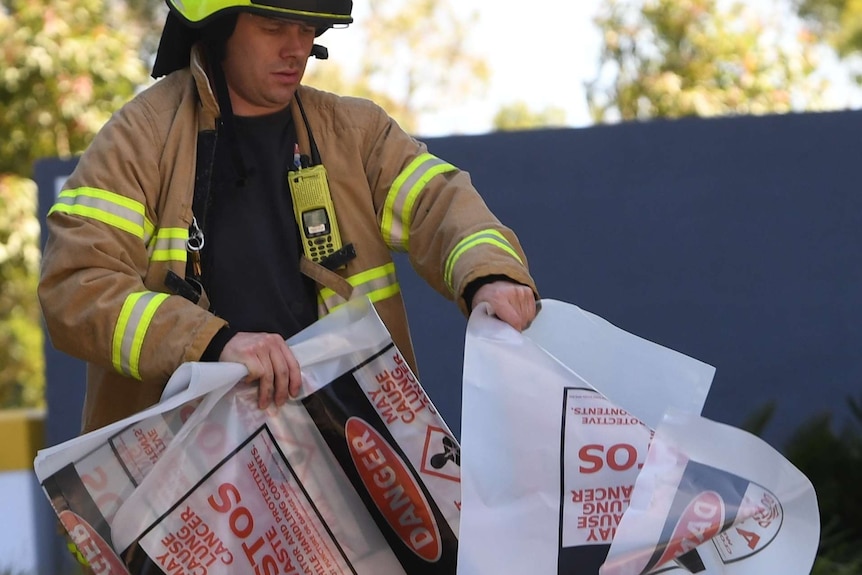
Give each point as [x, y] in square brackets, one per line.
[251, 256]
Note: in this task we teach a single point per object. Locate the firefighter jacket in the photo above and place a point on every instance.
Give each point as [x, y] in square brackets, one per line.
[122, 222]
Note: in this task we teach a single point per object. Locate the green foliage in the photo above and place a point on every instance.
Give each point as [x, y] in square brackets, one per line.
[65, 66]
[21, 359]
[833, 463]
[146, 17]
[757, 421]
[839, 22]
[674, 58]
[519, 116]
[832, 460]
[414, 59]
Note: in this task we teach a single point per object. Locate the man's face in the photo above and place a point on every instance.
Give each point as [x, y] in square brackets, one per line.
[264, 63]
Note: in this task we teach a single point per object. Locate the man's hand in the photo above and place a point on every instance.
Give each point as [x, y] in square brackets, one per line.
[269, 361]
[511, 302]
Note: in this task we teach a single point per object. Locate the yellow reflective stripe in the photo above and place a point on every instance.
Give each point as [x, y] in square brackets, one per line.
[73, 549]
[402, 196]
[492, 237]
[197, 11]
[377, 283]
[335, 302]
[169, 245]
[107, 207]
[384, 273]
[383, 293]
[135, 317]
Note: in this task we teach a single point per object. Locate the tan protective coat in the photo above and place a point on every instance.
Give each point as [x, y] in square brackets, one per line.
[147, 152]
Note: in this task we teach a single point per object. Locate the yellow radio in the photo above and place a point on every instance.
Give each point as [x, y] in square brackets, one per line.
[315, 214]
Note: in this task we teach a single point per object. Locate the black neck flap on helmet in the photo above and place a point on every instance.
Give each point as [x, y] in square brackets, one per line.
[211, 22]
[187, 20]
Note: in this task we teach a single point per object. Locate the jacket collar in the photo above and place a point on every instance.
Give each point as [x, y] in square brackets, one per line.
[202, 82]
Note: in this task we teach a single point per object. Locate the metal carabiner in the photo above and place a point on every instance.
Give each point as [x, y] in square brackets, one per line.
[195, 243]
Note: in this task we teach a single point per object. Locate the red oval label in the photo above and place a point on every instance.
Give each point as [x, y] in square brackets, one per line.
[700, 521]
[393, 489]
[100, 556]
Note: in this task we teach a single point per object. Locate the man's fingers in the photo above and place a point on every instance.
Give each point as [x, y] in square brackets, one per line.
[523, 307]
[529, 307]
[295, 375]
[510, 314]
[512, 303]
[269, 362]
[288, 377]
[267, 380]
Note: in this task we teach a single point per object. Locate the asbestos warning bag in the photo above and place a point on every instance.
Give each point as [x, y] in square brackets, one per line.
[562, 472]
[549, 460]
[721, 499]
[358, 475]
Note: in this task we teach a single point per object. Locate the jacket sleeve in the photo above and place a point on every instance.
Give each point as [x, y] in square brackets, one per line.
[98, 299]
[429, 208]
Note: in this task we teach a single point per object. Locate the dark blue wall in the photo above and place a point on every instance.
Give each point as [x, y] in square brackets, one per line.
[64, 375]
[735, 241]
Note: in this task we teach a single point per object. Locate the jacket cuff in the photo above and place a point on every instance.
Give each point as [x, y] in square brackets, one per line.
[473, 287]
[217, 343]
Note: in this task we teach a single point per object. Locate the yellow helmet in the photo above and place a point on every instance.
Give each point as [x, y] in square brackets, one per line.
[188, 18]
[322, 14]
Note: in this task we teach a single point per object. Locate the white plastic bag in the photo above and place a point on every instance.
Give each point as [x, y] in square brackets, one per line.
[560, 464]
[719, 489]
[548, 462]
[359, 475]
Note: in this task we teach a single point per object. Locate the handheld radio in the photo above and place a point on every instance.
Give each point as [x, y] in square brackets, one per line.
[315, 214]
[313, 208]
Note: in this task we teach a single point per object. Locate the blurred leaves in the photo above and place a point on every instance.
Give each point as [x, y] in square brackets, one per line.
[833, 462]
[65, 66]
[21, 358]
[675, 58]
[838, 22]
[831, 458]
[415, 59]
[757, 421]
[519, 116]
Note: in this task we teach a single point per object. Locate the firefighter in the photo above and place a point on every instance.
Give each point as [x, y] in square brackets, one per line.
[176, 238]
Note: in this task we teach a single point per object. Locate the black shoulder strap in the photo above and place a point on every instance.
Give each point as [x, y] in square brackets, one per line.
[206, 150]
[315, 153]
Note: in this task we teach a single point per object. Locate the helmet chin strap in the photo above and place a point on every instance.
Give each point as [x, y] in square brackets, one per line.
[226, 116]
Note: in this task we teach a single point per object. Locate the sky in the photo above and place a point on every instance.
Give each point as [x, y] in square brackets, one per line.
[541, 56]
